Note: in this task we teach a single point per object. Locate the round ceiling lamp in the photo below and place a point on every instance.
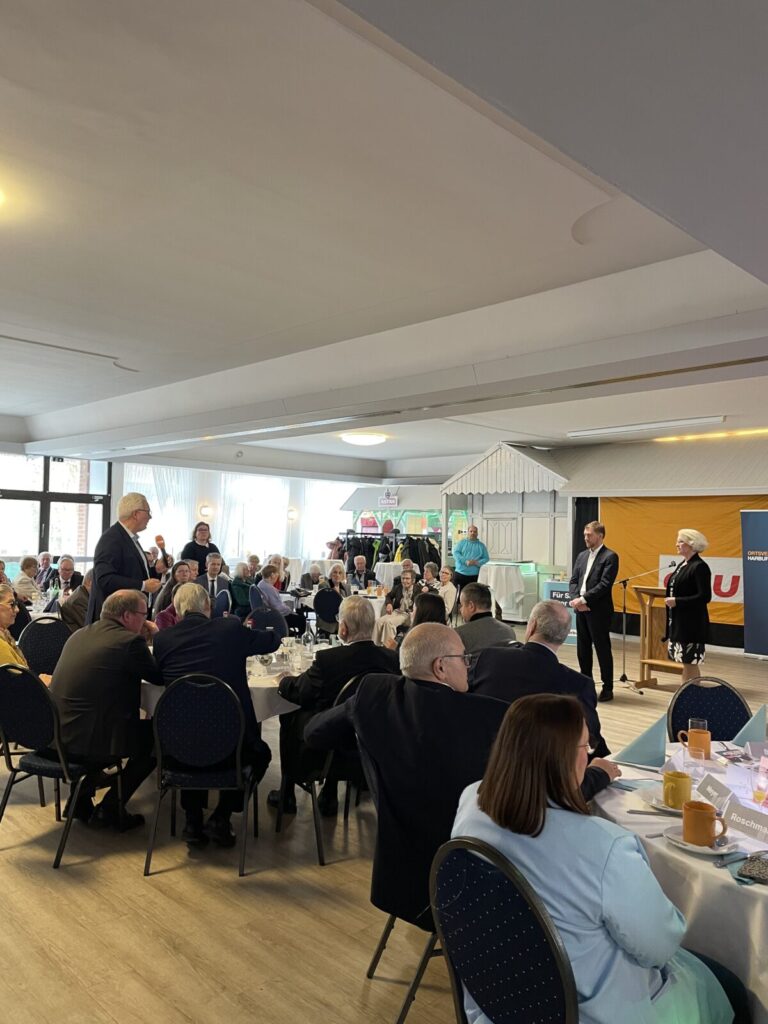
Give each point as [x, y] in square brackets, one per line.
[363, 439]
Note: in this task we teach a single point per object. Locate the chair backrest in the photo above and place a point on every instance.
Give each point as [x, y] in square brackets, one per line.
[498, 939]
[267, 618]
[199, 722]
[255, 598]
[28, 712]
[327, 604]
[42, 642]
[708, 697]
[221, 603]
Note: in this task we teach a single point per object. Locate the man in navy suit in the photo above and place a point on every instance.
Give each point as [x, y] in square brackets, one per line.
[119, 562]
[590, 590]
[213, 579]
[217, 647]
[508, 673]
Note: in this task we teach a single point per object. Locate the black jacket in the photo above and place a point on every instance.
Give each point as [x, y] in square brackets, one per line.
[599, 592]
[117, 565]
[688, 621]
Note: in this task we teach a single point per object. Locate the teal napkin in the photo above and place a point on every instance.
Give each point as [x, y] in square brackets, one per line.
[753, 731]
[649, 748]
[630, 785]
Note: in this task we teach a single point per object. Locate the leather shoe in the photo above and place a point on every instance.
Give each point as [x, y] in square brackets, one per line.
[83, 809]
[194, 834]
[289, 804]
[108, 818]
[328, 808]
[221, 832]
[605, 695]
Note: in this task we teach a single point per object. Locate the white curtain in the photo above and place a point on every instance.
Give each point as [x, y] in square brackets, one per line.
[169, 493]
[322, 517]
[254, 515]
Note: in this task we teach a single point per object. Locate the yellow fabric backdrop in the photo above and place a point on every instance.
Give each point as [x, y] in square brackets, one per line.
[640, 529]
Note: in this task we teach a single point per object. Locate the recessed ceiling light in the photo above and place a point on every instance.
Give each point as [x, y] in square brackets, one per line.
[637, 428]
[2, 197]
[363, 439]
[753, 432]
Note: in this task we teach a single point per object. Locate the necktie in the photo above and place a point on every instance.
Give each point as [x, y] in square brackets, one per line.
[213, 588]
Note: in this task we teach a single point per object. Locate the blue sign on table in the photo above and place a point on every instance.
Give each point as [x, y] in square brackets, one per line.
[557, 590]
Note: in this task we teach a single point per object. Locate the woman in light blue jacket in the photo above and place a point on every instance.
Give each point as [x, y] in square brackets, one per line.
[621, 932]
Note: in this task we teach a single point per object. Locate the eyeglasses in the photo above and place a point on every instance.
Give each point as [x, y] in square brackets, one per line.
[466, 658]
[11, 604]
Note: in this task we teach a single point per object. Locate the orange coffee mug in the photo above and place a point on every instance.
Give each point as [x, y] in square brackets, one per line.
[699, 820]
[696, 739]
[677, 789]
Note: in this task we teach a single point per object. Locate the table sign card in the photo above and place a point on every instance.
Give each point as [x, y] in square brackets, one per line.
[715, 791]
[756, 750]
[744, 819]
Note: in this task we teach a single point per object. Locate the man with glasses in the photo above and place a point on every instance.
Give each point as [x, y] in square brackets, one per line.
[120, 562]
[423, 738]
[97, 687]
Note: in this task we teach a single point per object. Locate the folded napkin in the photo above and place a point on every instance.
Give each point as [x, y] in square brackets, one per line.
[753, 731]
[630, 785]
[649, 748]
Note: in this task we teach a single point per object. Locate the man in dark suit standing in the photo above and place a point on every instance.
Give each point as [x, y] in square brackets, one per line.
[217, 647]
[119, 562]
[590, 590]
[316, 689]
[508, 673]
[422, 738]
[97, 687]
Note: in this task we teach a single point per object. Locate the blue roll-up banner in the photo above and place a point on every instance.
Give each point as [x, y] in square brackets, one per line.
[754, 547]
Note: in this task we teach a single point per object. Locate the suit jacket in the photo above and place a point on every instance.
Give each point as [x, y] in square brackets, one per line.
[222, 583]
[97, 686]
[599, 592]
[688, 621]
[54, 580]
[117, 565]
[307, 583]
[511, 672]
[484, 631]
[421, 744]
[318, 687]
[362, 581]
[74, 609]
[217, 647]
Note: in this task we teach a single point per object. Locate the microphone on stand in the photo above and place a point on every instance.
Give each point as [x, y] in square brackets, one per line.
[672, 564]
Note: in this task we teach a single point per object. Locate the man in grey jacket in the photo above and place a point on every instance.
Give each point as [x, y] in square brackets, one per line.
[480, 628]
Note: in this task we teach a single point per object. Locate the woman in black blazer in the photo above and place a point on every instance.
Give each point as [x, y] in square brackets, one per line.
[689, 591]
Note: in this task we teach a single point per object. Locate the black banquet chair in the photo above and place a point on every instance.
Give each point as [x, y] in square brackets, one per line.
[42, 642]
[29, 717]
[708, 697]
[199, 727]
[326, 605]
[498, 940]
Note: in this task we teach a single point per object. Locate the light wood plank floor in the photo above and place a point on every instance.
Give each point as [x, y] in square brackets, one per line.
[96, 943]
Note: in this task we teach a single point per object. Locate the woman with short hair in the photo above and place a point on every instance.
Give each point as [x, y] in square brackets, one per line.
[689, 591]
[24, 584]
[10, 653]
[621, 933]
[200, 546]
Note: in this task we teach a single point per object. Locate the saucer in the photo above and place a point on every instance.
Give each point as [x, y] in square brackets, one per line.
[654, 797]
[674, 835]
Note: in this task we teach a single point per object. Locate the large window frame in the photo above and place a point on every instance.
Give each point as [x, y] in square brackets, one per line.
[45, 498]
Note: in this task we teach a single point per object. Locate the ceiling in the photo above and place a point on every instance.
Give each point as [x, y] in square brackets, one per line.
[230, 232]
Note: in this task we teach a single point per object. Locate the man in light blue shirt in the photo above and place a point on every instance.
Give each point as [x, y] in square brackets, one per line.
[469, 554]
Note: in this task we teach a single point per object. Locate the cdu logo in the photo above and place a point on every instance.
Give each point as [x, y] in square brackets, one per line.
[727, 577]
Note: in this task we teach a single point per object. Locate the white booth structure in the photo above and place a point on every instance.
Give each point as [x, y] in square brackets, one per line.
[512, 496]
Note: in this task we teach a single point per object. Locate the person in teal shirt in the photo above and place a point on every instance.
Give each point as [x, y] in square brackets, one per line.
[469, 555]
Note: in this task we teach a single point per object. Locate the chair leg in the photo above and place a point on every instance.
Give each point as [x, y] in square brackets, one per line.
[244, 833]
[8, 788]
[41, 791]
[56, 796]
[153, 831]
[381, 946]
[74, 796]
[283, 788]
[120, 801]
[318, 828]
[173, 812]
[429, 951]
[347, 797]
[256, 811]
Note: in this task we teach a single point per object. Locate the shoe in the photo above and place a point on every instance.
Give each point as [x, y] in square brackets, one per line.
[220, 831]
[83, 810]
[289, 804]
[327, 804]
[194, 833]
[106, 817]
[605, 695]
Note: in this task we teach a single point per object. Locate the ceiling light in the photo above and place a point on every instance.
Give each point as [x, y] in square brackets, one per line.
[636, 428]
[2, 197]
[363, 439]
[716, 435]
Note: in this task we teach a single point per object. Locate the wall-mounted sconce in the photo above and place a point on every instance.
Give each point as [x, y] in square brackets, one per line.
[205, 511]
[293, 515]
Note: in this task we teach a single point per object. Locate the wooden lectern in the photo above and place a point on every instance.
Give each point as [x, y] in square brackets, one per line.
[653, 625]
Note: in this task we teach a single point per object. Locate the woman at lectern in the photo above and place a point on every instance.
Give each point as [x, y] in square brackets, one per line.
[689, 591]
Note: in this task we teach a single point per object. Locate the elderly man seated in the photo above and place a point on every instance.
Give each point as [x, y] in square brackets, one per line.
[362, 576]
[311, 579]
[508, 673]
[480, 628]
[318, 687]
[398, 608]
[97, 686]
[268, 587]
[74, 609]
[217, 647]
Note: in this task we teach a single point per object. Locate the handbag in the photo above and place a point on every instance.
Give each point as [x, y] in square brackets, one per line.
[755, 867]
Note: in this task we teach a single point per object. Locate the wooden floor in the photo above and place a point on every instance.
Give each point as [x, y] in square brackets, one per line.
[97, 942]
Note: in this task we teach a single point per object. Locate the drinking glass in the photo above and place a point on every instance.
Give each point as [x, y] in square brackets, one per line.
[695, 764]
[697, 723]
[759, 779]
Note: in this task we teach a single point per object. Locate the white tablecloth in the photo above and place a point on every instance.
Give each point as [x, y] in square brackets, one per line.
[506, 582]
[387, 572]
[726, 921]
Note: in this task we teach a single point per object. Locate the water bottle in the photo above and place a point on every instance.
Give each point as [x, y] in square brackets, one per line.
[307, 642]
